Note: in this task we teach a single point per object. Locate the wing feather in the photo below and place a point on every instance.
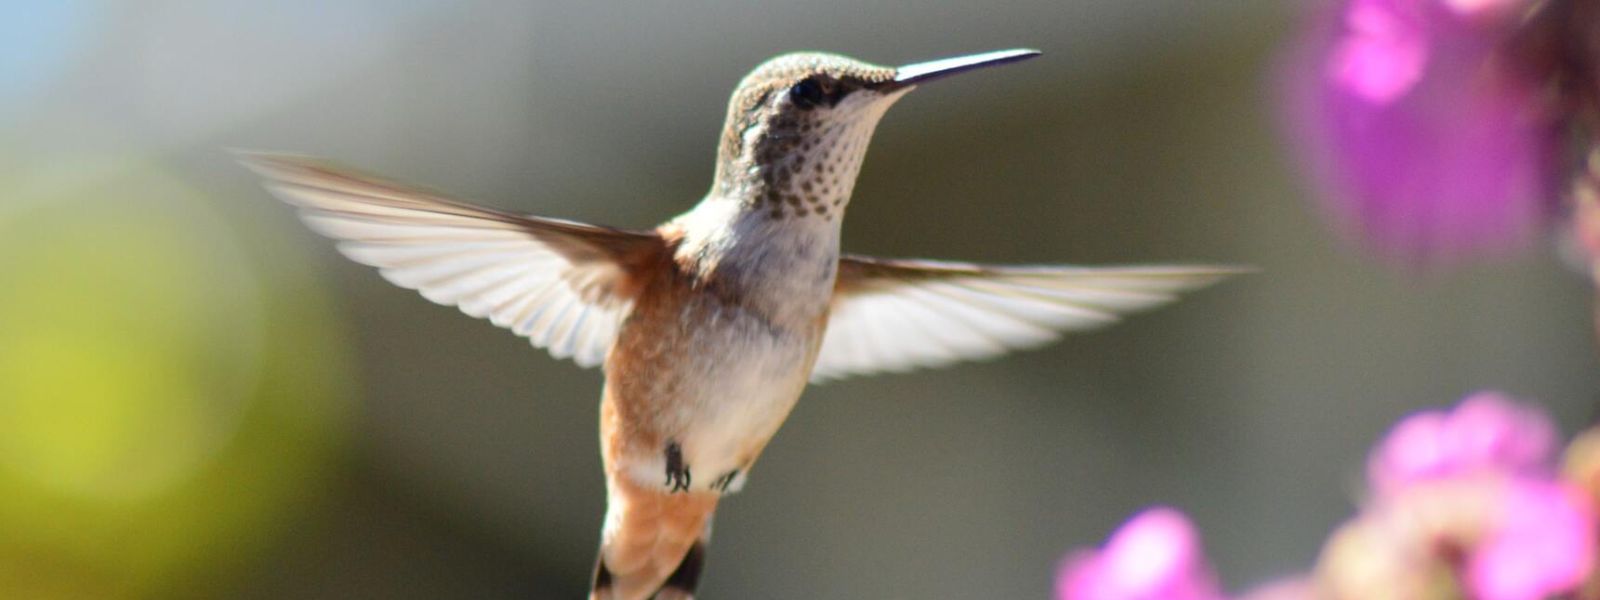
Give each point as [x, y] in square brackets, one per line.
[564, 285]
[896, 315]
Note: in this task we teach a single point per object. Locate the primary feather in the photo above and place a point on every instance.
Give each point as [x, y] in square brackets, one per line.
[563, 285]
[897, 315]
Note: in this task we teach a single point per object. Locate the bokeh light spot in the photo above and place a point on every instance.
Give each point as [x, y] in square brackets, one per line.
[173, 384]
[130, 348]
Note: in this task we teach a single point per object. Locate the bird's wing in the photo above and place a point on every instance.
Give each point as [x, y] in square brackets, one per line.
[897, 315]
[566, 286]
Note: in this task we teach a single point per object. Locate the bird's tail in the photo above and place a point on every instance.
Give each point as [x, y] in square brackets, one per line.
[653, 543]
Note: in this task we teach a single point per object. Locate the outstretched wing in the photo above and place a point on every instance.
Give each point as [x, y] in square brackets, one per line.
[897, 315]
[566, 286]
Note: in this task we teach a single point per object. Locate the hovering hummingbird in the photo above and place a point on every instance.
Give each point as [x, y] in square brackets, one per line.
[709, 326]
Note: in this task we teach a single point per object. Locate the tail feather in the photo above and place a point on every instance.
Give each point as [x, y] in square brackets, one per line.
[653, 544]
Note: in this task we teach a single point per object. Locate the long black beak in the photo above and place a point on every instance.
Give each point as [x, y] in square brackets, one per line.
[924, 72]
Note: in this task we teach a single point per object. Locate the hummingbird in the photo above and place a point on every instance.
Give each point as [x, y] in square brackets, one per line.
[709, 326]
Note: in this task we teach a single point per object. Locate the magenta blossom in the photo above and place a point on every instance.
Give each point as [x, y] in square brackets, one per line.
[1543, 544]
[1486, 431]
[1473, 492]
[1156, 555]
[1485, 535]
[1467, 504]
[1428, 142]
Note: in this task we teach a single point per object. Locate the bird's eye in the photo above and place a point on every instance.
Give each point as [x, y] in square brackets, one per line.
[808, 94]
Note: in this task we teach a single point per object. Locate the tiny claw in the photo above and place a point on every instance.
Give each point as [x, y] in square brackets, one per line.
[725, 481]
[677, 473]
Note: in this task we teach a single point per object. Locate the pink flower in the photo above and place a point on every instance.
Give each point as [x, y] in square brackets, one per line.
[1428, 143]
[1156, 555]
[1466, 502]
[1543, 544]
[1486, 431]
[1486, 535]
[1468, 505]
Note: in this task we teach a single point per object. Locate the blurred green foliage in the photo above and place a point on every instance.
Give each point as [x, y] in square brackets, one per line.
[166, 393]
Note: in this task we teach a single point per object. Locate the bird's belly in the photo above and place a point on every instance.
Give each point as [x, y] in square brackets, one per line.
[741, 409]
[754, 380]
[732, 382]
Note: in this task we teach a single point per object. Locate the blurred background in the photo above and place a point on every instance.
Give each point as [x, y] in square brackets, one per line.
[200, 399]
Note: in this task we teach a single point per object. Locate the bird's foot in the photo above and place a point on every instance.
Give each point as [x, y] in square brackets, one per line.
[722, 483]
[677, 472]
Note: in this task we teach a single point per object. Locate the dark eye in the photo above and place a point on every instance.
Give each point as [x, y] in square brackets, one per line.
[808, 94]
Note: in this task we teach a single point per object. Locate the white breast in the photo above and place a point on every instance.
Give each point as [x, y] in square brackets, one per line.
[736, 382]
[745, 365]
[753, 387]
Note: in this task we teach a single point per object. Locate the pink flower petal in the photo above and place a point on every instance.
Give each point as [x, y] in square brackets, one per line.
[1427, 143]
[1544, 545]
[1484, 7]
[1381, 56]
[1154, 556]
[1486, 431]
[1490, 428]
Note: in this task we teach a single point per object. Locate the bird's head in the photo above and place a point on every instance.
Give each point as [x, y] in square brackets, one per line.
[799, 124]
